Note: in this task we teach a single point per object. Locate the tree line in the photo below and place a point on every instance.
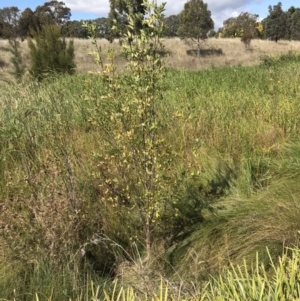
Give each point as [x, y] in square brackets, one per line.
[194, 21]
[278, 25]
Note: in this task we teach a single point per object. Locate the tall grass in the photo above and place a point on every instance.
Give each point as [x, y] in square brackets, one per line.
[240, 282]
[233, 131]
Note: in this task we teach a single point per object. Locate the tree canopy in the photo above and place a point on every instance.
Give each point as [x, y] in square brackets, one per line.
[119, 9]
[195, 20]
[52, 12]
[171, 26]
[293, 20]
[9, 18]
[15, 23]
[27, 22]
[276, 25]
[236, 26]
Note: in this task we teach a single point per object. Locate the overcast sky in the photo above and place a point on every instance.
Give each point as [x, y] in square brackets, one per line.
[221, 9]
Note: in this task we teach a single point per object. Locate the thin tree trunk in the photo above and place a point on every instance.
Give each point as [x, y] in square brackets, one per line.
[148, 239]
[198, 48]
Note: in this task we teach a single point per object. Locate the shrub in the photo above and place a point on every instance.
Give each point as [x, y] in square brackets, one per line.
[131, 168]
[50, 53]
[246, 38]
[16, 59]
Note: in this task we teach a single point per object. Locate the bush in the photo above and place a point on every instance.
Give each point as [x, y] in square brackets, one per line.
[50, 53]
[246, 38]
[16, 59]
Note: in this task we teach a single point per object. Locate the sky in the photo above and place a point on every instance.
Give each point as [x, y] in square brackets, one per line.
[221, 9]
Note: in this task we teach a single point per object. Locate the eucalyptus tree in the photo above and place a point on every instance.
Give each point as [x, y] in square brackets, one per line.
[172, 24]
[236, 26]
[293, 16]
[9, 18]
[27, 22]
[195, 22]
[118, 16]
[276, 23]
[52, 12]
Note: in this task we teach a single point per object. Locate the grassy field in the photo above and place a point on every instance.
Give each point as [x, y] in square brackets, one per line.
[232, 130]
[215, 52]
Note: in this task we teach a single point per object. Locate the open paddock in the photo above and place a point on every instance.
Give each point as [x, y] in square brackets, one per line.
[214, 52]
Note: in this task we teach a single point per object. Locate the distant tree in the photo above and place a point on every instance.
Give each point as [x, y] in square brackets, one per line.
[103, 28]
[276, 25]
[171, 26]
[74, 29]
[27, 22]
[236, 26]
[9, 18]
[53, 12]
[212, 34]
[1, 26]
[293, 20]
[195, 21]
[219, 33]
[119, 9]
[230, 28]
[50, 53]
[259, 30]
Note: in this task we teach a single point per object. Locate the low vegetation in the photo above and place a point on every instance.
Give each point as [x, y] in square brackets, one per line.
[50, 53]
[151, 182]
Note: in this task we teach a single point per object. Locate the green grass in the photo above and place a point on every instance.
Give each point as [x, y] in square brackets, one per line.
[241, 282]
[234, 132]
